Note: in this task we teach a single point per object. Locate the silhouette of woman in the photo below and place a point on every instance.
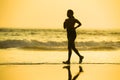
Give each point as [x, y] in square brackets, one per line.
[69, 25]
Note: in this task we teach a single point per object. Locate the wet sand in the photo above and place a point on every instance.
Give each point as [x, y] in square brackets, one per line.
[42, 57]
[57, 72]
[18, 64]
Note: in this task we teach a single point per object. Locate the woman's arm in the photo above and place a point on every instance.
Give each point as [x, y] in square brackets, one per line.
[79, 24]
[65, 24]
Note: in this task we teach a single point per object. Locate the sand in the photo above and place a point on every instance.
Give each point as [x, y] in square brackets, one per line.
[18, 64]
[57, 72]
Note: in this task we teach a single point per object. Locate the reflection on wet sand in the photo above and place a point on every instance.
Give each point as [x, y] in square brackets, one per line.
[60, 72]
[70, 74]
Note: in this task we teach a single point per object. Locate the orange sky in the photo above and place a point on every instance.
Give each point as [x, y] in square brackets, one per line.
[98, 14]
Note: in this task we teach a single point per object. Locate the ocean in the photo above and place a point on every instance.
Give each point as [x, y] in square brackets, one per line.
[55, 39]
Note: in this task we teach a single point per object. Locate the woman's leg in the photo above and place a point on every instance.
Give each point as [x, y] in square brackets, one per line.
[76, 51]
[69, 51]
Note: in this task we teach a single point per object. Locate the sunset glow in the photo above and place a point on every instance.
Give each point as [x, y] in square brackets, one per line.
[95, 14]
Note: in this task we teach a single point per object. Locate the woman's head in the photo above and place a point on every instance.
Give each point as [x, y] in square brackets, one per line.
[70, 13]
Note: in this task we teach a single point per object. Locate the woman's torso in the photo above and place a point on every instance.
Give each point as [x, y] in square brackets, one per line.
[70, 23]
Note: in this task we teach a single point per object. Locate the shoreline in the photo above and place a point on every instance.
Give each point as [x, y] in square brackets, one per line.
[58, 64]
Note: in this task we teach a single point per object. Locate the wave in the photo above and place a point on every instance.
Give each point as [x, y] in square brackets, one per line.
[38, 31]
[52, 45]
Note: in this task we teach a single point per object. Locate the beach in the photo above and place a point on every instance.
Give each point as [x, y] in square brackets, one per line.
[18, 64]
[56, 72]
[37, 54]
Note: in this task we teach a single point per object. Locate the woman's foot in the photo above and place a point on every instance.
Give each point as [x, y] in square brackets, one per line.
[66, 62]
[66, 67]
[81, 59]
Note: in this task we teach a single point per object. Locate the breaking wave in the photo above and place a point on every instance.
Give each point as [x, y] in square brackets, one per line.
[52, 45]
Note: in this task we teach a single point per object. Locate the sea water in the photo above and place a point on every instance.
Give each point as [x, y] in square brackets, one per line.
[55, 39]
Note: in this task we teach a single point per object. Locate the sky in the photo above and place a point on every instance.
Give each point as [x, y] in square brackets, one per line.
[93, 14]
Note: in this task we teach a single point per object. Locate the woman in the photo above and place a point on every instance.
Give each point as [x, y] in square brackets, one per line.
[69, 25]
